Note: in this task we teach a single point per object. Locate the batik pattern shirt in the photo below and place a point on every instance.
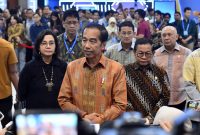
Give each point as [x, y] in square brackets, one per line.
[147, 88]
[101, 89]
[77, 51]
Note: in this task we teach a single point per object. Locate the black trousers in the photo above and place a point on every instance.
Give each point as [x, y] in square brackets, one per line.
[5, 108]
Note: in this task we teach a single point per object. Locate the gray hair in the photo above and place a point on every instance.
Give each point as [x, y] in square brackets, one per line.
[173, 29]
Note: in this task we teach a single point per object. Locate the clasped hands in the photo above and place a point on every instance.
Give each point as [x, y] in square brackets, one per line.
[94, 118]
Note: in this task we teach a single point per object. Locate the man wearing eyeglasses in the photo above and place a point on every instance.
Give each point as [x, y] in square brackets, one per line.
[70, 40]
[171, 56]
[123, 52]
[147, 84]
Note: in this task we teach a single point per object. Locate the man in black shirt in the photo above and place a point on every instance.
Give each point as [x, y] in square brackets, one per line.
[187, 30]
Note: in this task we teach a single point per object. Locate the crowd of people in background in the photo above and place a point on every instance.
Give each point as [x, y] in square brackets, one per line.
[63, 58]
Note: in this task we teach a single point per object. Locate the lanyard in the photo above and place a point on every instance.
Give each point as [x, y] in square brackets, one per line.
[158, 26]
[187, 26]
[199, 31]
[69, 50]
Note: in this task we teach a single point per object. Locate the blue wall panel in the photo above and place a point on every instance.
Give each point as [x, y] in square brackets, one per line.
[53, 3]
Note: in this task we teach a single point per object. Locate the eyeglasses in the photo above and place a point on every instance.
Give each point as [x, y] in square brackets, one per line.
[51, 43]
[126, 33]
[71, 22]
[141, 54]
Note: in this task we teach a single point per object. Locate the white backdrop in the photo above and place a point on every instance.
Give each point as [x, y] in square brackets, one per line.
[3, 4]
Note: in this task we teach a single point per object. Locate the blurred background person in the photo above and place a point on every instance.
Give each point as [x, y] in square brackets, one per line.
[22, 14]
[85, 20]
[16, 37]
[39, 11]
[143, 28]
[95, 16]
[56, 24]
[112, 32]
[121, 18]
[150, 14]
[177, 19]
[166, 18]
[132, 12]
[37, 27]
[2, 28]
[157, 26]
[45, 18]
[115, 15]
[104, 21]
[6, 16]
[187, 30]
[27, 24]
[126, 12]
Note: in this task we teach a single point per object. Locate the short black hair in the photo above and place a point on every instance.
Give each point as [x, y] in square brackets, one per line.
[149, 9]
[29, 9]
[126, 23]
[187, 8]
[16, 18]
[142, 41]
[95, 11]
[107, 13]
[115, 12]
[141, 13]
[70, 13]
[177, 13]
[36, 14]
[158, 12]
[103, 37]
[56, 7]
[39, 40]
[47, 7]
[126, 9]
[37, 10]
[167, 14]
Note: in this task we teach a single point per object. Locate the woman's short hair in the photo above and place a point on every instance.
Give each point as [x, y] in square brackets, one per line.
[39, 40]
[16, 18]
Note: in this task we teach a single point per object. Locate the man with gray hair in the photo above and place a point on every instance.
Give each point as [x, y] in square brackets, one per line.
[171, 56]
